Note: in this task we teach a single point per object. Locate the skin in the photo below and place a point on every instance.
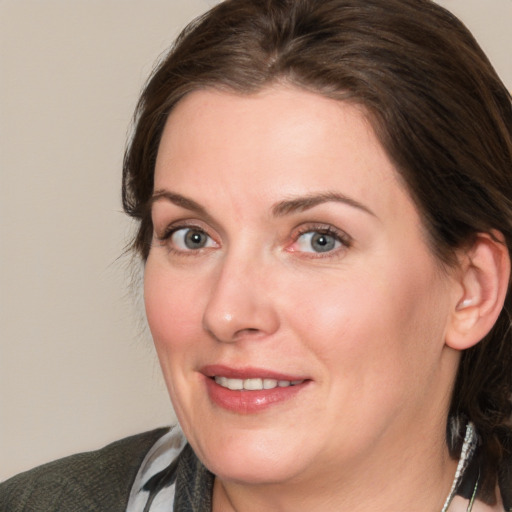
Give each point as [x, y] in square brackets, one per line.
[365, 322]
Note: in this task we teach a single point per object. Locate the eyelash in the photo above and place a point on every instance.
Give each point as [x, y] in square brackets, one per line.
[340, 236]
[169, 231]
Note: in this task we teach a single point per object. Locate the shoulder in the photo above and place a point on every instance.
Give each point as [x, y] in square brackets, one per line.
[97, 480]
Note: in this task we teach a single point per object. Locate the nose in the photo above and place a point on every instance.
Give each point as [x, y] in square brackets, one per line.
[240, 305]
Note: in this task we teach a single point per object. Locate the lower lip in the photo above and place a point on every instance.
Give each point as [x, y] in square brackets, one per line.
[250, 402]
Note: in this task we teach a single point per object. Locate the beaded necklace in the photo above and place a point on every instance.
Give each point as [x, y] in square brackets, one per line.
[468, 449]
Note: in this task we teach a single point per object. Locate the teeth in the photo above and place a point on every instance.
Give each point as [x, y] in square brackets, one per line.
[269, 383]
[233, 384]
[254, 384]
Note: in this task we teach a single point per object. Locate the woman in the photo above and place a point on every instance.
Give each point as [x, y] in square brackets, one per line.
[323, 194]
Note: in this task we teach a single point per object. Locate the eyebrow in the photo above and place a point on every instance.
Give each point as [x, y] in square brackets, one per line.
[280, 209]
[304, 203]
[178, 200]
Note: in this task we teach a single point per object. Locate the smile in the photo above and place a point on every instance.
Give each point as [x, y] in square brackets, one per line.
[254, 384]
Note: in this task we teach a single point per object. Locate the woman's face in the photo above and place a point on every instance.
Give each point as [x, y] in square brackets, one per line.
[288, 260]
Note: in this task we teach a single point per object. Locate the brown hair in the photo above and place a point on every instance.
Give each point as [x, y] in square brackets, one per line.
[435, 103]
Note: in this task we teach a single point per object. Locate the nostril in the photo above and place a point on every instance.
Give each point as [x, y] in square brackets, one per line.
[232, 314]
[247, 333]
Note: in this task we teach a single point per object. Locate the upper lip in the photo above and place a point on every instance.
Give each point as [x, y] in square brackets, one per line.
[214, 370]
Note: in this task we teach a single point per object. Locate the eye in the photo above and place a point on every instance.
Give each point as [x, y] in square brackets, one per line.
[314, 241]
[190, 239]
[320, 241]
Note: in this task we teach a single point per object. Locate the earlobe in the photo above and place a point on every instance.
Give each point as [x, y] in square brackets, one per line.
[483, 284]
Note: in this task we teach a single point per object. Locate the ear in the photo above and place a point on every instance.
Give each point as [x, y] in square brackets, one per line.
[483, 278]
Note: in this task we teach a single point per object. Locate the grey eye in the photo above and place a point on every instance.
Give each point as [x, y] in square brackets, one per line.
[195, 239]
[190, 239]
[315, 241]
[321, 242]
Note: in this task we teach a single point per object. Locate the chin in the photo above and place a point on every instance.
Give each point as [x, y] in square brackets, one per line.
[256, 461]
[253, 472]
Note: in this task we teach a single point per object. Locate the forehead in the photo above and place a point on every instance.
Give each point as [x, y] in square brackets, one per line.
[282, 141]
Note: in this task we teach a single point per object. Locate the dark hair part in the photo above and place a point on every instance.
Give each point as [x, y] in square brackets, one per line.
[435, 103]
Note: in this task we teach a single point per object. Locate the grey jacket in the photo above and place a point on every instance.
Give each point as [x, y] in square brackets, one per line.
[101, 481]
[92, 481]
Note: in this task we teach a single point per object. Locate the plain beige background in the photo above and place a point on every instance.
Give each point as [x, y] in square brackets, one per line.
[77, 368]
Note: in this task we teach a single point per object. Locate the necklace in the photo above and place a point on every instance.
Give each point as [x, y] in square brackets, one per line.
[468, 449]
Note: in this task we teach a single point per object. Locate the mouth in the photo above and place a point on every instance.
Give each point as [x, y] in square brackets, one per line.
[250, 390]
[256, 384]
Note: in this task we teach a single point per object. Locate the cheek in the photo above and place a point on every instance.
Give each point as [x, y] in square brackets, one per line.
[173, 307]
[385, 319]
[174, 316]
[332, 311]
